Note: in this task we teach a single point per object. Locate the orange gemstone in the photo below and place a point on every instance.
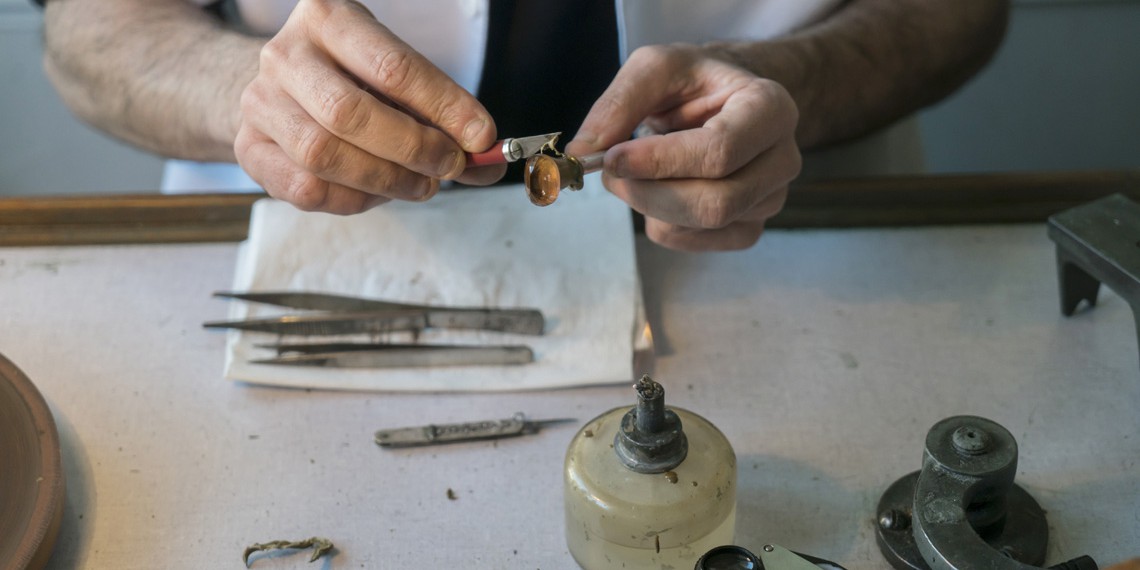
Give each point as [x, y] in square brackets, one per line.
[543, 180]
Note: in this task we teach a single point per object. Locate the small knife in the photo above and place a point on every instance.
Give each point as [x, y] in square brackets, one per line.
[514, 426]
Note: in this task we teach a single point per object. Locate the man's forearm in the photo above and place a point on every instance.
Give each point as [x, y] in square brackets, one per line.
[161, 74]
[875, 61]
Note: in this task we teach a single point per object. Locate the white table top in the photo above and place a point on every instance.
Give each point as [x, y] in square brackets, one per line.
[824, 356]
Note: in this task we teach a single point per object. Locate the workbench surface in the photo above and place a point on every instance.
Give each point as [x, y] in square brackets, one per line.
[824, 356]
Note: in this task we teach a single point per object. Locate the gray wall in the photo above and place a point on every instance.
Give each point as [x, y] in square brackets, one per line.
[1062, 94]
[43, 149]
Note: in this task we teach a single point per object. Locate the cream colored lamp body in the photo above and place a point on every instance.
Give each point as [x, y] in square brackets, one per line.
[641, 492]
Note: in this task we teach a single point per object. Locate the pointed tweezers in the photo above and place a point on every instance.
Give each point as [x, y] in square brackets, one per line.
[351, 315]
[353, 355]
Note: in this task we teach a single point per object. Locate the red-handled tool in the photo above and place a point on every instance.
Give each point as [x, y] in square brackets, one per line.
[510, 150]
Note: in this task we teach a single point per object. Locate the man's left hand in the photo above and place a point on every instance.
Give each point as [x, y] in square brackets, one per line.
[722, 167]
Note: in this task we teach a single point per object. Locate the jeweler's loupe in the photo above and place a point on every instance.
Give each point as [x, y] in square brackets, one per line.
[729, 558]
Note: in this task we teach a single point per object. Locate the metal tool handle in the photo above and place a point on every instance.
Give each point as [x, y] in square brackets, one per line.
[502, 152]
[512, 149]
[450, 433]
[591, 162]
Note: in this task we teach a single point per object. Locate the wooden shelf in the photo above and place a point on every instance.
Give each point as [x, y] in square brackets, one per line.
[863, 202]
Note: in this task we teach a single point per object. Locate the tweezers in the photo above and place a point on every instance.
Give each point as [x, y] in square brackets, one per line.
[375, 355]
[351, 315]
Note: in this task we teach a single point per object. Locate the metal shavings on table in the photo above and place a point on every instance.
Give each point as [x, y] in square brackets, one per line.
[319, 545]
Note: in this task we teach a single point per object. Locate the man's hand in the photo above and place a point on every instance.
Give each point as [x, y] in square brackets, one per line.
[343, 115]
[724, 164]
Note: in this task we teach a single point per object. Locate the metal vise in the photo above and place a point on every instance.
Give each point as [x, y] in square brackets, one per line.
[1098, 243]
[962, 511]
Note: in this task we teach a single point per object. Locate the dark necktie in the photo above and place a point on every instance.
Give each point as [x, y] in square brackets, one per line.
[547, 61]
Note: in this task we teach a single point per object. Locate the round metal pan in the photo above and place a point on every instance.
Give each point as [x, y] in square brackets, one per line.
[31, 473]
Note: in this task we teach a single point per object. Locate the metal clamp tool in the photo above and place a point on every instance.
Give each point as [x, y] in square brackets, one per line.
[512, 149]
[962, 511]
[1098, 243]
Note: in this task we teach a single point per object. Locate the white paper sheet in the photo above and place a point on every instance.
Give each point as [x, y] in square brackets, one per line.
[574, 260]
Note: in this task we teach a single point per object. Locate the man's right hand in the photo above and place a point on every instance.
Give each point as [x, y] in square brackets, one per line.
[343, 115]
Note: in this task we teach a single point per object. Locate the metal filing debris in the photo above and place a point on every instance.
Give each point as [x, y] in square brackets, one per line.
[320, 546]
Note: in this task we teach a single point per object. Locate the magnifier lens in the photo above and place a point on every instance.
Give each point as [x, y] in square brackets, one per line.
[728, 558]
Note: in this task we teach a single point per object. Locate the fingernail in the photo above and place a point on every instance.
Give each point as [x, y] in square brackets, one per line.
[616, 166]
[422, 189]
[374, 201]
[644, 130]
[587, 138]
[473, 130]
[426, 190]
[450, 167]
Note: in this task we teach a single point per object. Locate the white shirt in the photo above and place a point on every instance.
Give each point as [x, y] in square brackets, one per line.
[453, 35]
